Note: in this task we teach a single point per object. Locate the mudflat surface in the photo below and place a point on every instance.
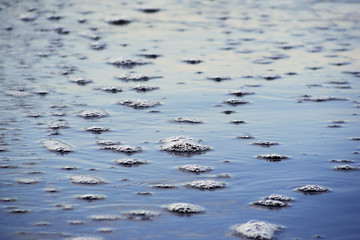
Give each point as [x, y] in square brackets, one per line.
[264, 93]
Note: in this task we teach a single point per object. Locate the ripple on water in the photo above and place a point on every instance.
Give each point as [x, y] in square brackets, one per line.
[122, 148]
[86, 179]
[57, 146]
[256, 230]
[195, 168]
[130, 162]
[312, 189]
[91, 197]
[139, 103]
[272, 157]
[141, 214]
[29, 17]
[183, 144]
[93, 113]
[207, 184]
[184, 208]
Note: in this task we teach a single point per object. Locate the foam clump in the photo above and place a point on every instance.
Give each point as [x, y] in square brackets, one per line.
[184, 208]
[130, 161]
[59, 124]
[183, 144]
[346, 168]
[195, 168]
[219, 78]
[93, 113]
[240, 93]
[112, 89]
[141, 214]
[139, 103]
[126, 62]
[273, 157]
[57, 146]
[164, 186]
[29, 17]
[118, 20]
[265, 143]
[256, 230]
[270, 203]
[97, 129]
[207, 184]
[236, 101]
[144, 88]
[135, 77]
[27, 181]
[86, 179]
[279, 197]
[18, 94]
[97, 45]
[323, 99]
[107, 142]
[91, 197]
[122, 148]
[104, 217]
[186, 120]
[312, 189]
[81, 80]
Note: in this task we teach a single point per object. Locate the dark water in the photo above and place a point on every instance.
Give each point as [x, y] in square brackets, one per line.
[300, 60]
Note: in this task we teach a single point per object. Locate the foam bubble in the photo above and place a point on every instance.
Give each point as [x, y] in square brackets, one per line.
[207, 184]
[126, 62]
[270, 203]
[256, 230]
[57, 146]
[346, 168]
[183, 144]
[236, 102]
[93, 113]
[106, 217]
[139, 103]
[186, 120]
[141, 214]
[130, 161]
[122, 148]
[86, 179]
[184, 208]
[312, 189]
[81, 80]
[91, 197]
[195, 168]
[272, 157]
[265, 143]
[97, 129]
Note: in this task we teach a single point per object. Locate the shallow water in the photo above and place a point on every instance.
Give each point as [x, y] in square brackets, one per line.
[283, 51]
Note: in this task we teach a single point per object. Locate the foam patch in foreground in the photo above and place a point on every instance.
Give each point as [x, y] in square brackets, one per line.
[256, 230]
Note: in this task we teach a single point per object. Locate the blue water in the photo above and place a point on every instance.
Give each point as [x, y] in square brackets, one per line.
[229, 37]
